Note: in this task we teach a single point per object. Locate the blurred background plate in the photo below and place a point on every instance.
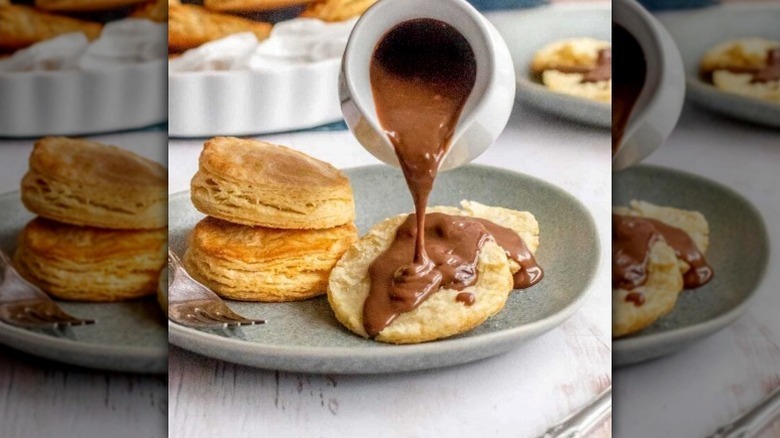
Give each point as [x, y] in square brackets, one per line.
[128, 337]
[697, 31]
[738, 254]
[526, 31]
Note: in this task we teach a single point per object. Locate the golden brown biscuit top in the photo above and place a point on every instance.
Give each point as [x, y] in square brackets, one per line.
[232, 241]
[94, 163]
[258, 162]
[58, 240]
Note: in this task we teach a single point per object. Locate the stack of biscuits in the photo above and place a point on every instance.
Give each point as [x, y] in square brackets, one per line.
[101, 232]
[278, 221]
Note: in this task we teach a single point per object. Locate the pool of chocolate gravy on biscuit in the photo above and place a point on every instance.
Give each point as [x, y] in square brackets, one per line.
[422, 73]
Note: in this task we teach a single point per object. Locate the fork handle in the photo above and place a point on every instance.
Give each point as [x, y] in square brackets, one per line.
[582, 422]
[750, 423]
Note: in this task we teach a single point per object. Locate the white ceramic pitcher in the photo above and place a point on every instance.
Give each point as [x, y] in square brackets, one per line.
[487, 109]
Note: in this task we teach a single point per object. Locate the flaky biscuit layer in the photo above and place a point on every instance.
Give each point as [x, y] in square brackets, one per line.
[263, 264]
[90, 264]
[83, 182]
[251, 182]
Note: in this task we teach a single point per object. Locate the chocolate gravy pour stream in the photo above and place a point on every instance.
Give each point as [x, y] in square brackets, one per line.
[422, 73]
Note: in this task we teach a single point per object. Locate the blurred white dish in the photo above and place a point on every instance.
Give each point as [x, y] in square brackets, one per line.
[83, 102]
[204, 104]
[237, 86]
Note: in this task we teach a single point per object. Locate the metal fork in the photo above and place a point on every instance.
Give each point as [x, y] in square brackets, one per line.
[582, 422]
[23, 304]
[752, 422]
[194, 305]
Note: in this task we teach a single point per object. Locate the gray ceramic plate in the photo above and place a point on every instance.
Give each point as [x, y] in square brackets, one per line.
[306, 337]
[526, 31]
[738, 253]
[697, 31]
[128, 337]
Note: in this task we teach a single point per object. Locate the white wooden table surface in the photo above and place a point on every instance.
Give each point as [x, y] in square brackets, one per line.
[518, 394]
[39, 398]
[693, 392]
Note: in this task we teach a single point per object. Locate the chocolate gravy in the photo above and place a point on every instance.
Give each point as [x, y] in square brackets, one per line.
[627, 81]
[422, 73]
[632, 238]
[602, 71]
[768, 73]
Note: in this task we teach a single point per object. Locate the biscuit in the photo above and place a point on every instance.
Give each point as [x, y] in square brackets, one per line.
[155, 10]
[660, 291]
[337, 10]
[83, 182]
[571, 84]
[90, 264]
[23, 26]
[731, 66]
[664, 270]
[568, 53]
[83, 5]
[552, 61]
[251, 5]
[189, 26]
[746, 53]
[692, 222]
[263, 264]
[440, 316]
[251, 182]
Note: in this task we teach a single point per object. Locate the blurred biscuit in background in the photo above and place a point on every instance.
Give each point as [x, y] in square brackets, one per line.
[22, 26]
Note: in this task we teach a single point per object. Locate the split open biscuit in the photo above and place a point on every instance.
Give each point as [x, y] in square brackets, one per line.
[256, 183]
[90, 264]
[23, 26]
[441, 315]
[87, 183]
[731, 66]
[554, 64]
[262, 264]
[665, 271]
[189, 26]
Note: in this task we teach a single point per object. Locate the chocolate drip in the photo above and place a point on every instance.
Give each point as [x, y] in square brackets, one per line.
[767, 73]
[627, 81]
[422, 73]
[632, 239]
[467, 298]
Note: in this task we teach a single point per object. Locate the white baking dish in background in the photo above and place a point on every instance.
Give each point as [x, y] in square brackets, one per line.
[83, 102]
[243, 102]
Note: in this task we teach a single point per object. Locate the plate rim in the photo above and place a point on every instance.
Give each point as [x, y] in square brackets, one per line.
[13, 337]
[180, 335]
[698, 331]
